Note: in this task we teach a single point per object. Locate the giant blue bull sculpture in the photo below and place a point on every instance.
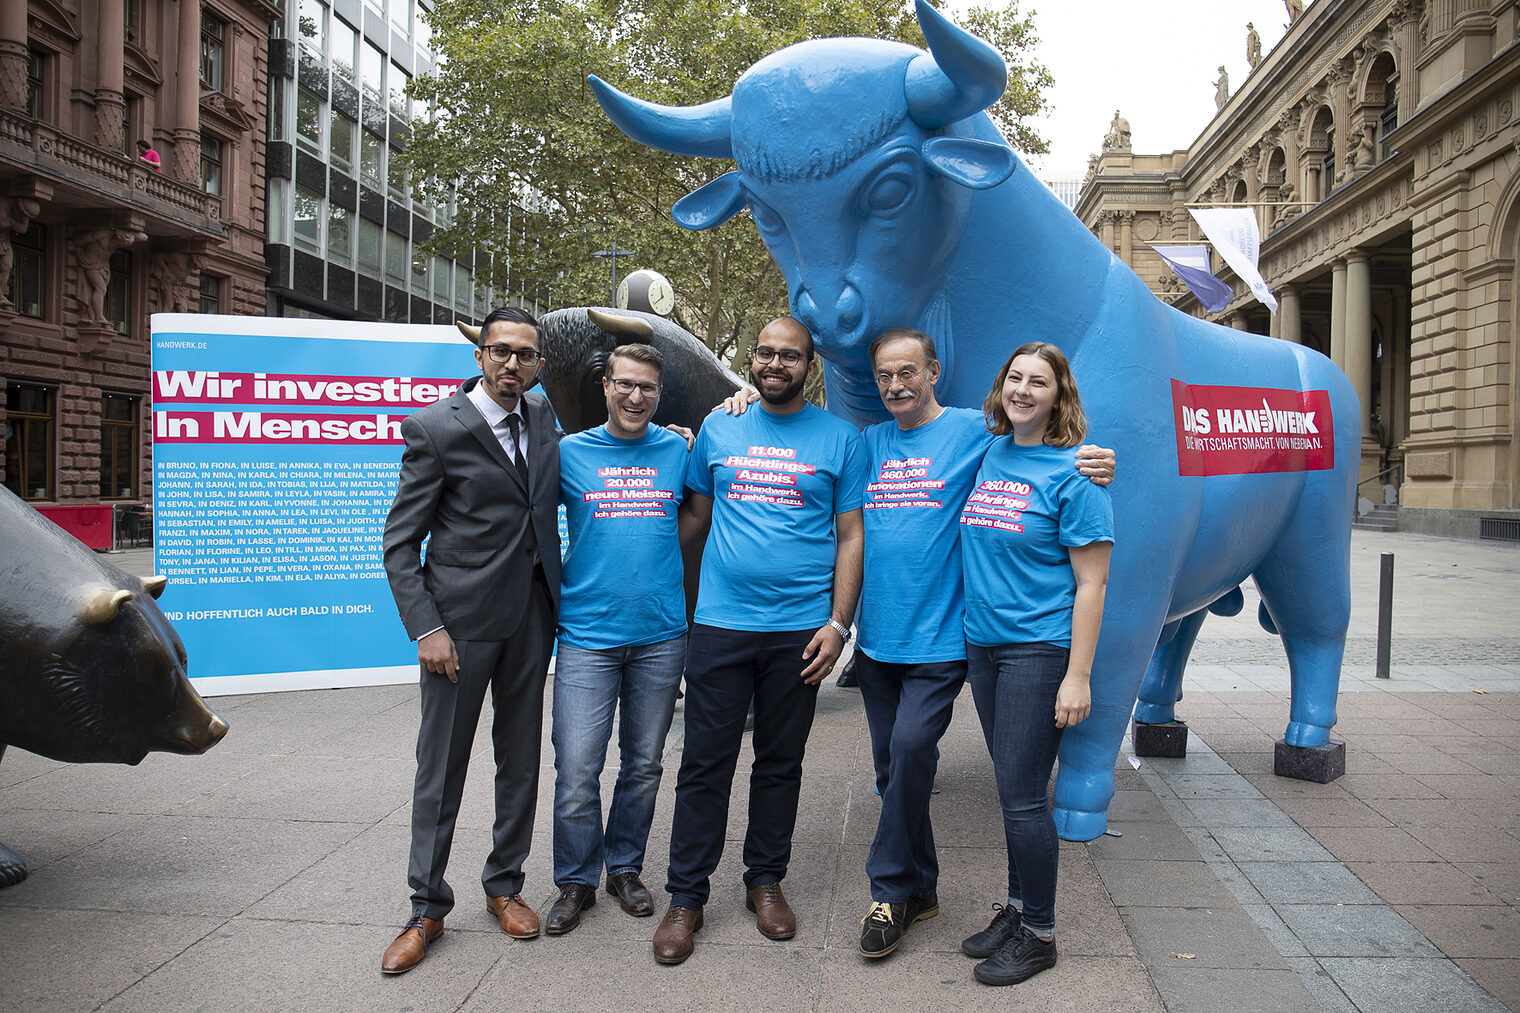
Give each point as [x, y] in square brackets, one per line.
[888, 198]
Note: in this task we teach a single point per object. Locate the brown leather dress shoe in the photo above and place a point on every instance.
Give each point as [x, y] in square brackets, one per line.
[631, 892]
[673, 940]
[516, 917]
[407, 950]
[565, 912]
[773, 915]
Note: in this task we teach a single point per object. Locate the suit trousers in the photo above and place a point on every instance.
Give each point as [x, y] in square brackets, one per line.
[514, 671]
[725, 670]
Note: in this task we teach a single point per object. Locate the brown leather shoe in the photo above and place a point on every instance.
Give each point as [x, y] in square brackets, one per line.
[516, 917]
[407, 950]
[565, 912]
[631, 892]
[673, 940]
[773, 915]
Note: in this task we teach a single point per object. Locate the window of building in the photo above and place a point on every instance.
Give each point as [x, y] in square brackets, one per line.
[340, 235]
[420, 264]
[119, 292]
[118, 446]
[461, 287]
[1389, 118]
[395, 258]
[211, 164]
[131, 123]
[482, 298]
[309, 121]
[344, 129]
[209, 294]
[36, 68]
[371, 158]
[395, 178]
[213, 50]
[401, 106]
[131, 21]
[308, 219]
[344, 40]
[373, 70]
[401, 16]
[1327, 167]
[422, 32]
[276, 110]
[274, 211]
[311, 24]
[24, 288]
[29, 423]
[371, 240]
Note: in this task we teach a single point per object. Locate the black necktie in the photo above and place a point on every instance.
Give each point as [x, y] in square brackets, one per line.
[514, 424]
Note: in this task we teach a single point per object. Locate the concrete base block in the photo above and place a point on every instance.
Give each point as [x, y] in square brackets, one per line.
[1320, 764]
[1169, 740]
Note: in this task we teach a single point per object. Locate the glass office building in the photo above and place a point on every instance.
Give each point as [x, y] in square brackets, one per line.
[343, 224]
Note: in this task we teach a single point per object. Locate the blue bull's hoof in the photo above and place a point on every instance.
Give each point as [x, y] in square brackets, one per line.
[12, 868]
[1155, 713]
[1301, 733]
[1076, 825]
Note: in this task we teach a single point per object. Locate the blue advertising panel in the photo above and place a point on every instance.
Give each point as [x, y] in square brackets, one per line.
[276, 445]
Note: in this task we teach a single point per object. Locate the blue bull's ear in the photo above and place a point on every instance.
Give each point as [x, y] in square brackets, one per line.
[712, 204]
[977, 165]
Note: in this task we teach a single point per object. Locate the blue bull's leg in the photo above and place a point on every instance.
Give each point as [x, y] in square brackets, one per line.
[1306, 586]
[1162, 687]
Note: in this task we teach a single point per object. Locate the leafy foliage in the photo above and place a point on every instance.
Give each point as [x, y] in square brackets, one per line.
[539, 179]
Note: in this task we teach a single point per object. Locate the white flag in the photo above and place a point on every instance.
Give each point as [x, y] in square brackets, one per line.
[1234, 233]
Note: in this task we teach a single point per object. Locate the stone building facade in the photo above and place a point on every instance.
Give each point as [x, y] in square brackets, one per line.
[96, 233]
[1379, 147]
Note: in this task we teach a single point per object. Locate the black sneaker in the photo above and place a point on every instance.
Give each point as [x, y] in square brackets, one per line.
[1020, 958]
[882, 929]
[918, 909]
[1005, 922]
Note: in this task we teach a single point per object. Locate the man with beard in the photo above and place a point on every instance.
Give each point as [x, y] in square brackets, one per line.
[779, 492]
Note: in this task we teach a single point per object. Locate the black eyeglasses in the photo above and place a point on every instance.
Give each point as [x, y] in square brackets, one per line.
[629, 386]
[504, 353]
[904, 376]
[788, 356]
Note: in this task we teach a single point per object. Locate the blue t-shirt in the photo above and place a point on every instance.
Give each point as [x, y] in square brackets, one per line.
[912, 602]
[1029, 505]
[776, 482]
[622, 577]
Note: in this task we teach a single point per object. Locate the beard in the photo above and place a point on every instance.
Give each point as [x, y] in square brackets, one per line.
[782, 395]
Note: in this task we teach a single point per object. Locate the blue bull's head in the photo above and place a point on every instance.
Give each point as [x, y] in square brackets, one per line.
[857, 162]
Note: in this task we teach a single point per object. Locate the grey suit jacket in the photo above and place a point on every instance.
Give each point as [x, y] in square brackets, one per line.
[459, 485]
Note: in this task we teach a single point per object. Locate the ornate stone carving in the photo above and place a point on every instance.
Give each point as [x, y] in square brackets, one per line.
[92, 253]
[16, 214]
[1222, 90]
[174, 276]
[1253, 46]
[1118, 136]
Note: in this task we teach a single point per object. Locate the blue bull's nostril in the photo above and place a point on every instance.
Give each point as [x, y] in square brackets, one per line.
[837, 324]
[849, 308]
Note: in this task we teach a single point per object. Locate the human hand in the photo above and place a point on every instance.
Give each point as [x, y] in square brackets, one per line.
[739, 401]
[1097, 463]
[821, 653]
[436, 654]
[685, 434]
[1073, 702]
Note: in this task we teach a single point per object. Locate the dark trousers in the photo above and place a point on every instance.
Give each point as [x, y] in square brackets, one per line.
[1015, 689]
[513, 670]
[725, 670]
[908, 709]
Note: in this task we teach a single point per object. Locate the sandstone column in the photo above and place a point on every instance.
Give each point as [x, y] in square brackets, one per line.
[1288, 320]
[13, 55]
[110, 103]
[187, 105]
[1358, 331]
[1338, 313]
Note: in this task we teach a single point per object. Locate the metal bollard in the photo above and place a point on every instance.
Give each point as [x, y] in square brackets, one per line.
[1385, 614]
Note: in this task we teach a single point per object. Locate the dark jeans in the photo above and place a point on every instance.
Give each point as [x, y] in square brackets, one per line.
[1015, 690]
[725, 670]
[908, 708]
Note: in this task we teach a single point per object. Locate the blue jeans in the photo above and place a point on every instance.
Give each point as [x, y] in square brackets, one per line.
[725, 670]
[1015, 686]
[908, 709]
[589, 686]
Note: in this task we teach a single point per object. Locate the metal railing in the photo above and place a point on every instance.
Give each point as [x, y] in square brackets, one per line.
[1355, 506]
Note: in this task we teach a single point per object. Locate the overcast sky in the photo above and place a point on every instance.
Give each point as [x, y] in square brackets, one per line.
[1154, 61]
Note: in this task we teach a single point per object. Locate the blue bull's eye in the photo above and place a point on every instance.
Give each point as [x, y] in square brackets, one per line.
[888, 192]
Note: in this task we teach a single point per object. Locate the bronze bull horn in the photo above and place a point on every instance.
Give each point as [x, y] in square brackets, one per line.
[964, 76]
[624, 328]
[704, 130]
[155, 584]
[102, 605]
[468, 330]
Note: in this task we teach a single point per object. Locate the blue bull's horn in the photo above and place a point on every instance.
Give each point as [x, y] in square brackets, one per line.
[702, 130]
[964, 76]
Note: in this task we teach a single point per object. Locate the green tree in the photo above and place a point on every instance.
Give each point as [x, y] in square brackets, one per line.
[538, 179]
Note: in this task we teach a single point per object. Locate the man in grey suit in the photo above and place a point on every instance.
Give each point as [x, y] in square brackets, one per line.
[480, 474]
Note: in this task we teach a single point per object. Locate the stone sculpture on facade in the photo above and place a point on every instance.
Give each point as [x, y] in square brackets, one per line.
[93, 250]
[1118, 136]
[1289, 209]
[1222, 89]
[16, 214]
[888, 198]
[1295, 11]
[1253, 45]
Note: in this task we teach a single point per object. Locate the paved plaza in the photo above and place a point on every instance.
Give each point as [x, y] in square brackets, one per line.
[269, 874]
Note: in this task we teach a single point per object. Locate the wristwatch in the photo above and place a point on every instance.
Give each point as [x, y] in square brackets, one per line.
[841, 629]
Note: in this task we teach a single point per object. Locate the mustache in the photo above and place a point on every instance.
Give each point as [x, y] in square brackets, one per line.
[899, 395]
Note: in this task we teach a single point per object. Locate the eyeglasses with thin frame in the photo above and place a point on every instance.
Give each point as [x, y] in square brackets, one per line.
[625, 387]
[904, 376]
[789, 356]
[504, 353]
